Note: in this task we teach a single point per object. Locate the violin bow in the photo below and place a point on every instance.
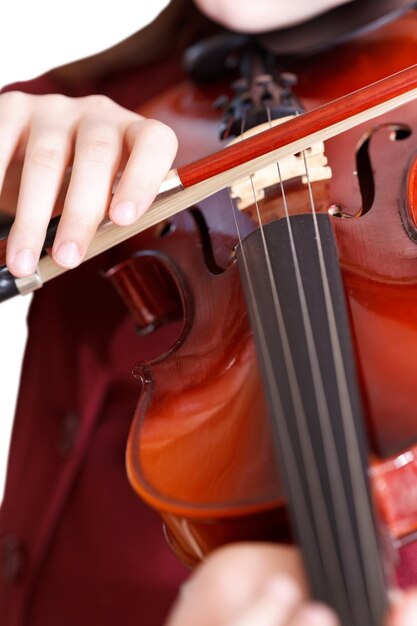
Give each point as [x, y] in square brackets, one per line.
[194, 182]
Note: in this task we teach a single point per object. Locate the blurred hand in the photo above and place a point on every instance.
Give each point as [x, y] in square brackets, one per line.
[261, 585]
[41, 136]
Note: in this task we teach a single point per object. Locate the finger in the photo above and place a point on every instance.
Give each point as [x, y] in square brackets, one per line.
[152, 146]
[221, 588]
[274, 606]
[314, 615]
[404, 612]
[14, 117]
[47, 154]
[97, 155]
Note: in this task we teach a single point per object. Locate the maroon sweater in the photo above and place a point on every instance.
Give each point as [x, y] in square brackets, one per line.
[77, 546]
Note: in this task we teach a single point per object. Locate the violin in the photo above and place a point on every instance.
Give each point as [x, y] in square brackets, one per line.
[288, 376]
[202, 450]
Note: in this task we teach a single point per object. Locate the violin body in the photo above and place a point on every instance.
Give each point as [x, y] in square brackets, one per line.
[200, 449]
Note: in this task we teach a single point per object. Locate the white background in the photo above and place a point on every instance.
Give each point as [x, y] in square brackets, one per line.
[35, 36]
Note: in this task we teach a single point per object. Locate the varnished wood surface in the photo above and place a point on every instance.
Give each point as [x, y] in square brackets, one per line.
[204, 396]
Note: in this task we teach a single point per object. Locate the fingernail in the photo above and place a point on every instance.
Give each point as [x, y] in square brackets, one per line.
[68, 254]
[24, 261]
[123, 213]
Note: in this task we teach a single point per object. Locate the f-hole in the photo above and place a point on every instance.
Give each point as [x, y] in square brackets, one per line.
[398, 132]
[207, 244]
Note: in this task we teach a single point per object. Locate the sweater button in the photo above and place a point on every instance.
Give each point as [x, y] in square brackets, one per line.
[13, 559]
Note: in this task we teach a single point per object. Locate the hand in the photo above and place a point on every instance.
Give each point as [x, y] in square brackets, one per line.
[41, 136]
[260, 585]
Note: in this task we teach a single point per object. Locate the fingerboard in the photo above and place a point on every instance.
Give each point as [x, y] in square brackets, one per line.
[296, 302]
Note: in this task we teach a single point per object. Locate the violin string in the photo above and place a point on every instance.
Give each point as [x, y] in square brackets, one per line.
[320, 396]
[319, 509]
[322, 520]
[344, 528]
[360, 491]
[342, 511]
[293, 476]
[317, 379]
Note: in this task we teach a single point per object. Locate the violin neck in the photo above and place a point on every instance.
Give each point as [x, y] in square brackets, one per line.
[296, 302]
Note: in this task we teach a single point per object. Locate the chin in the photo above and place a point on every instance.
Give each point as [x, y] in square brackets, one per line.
[252, 16]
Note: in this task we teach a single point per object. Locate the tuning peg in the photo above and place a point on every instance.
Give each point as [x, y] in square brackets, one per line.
[287, 80]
